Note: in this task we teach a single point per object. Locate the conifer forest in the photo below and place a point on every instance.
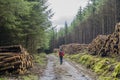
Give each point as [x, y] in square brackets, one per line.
[33, 48]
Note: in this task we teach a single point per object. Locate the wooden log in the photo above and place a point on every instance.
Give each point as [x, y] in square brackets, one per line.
[11, 64]
[5, 68]
[96, 44]
[3, 57]
[15, 62]
[14, 49]
[8, 54]
[14, 58]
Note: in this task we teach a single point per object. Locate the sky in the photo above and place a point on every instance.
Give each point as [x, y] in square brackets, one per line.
[65, 10]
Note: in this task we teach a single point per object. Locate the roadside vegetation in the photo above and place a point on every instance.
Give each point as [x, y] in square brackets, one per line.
[105, 68]
[40, 59]
[40, 62]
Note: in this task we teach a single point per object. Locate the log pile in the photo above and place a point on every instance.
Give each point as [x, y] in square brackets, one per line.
[14, 59]
[112, 44]
[74, 48]
[95, 46]
[56, 50]
[106, 45]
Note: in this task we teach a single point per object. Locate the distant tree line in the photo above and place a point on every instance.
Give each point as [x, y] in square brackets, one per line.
[98, 17]
[24, 22]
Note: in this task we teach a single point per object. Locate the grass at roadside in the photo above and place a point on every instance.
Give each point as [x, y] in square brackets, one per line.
[40, 59]
[34, 73]
[106, 68]
[30, 77]
[40, 62]
[3, 79]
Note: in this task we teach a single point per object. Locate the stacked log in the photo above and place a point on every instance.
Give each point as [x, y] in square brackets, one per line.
[74, 48]
[14, 59]
[56, 50]
[106, 45]
[112, 44]
[95, 46]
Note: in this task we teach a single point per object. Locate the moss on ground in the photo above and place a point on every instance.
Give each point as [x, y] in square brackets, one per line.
[40, 58]
[30, 77]
[3, 79]
[106, 68]
[116, 72]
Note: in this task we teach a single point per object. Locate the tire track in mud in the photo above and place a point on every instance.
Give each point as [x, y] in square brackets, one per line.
[49, 72]
[66, 71]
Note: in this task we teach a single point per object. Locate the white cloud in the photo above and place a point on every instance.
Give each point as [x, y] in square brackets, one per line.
[62, 20]
[65, 10]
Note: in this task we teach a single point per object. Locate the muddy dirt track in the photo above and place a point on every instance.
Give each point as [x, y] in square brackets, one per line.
[66, 71]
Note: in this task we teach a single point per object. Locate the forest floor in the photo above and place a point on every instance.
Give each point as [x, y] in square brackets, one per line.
[67, 71]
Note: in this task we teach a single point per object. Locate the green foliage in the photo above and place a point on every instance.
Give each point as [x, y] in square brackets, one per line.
[30, 77]
[116, 72]
[3, 79]
[106, 68]
[61, 32]
[75, 57]
[107, 78]
[41, 59]
[24, 22]
[89, 21]
[87, 60]
[10, 19]
[101, 66]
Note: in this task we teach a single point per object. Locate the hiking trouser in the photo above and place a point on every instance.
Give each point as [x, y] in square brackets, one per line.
[61, 59]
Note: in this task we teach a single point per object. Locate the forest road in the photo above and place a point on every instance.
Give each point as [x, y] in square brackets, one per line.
[66, 71]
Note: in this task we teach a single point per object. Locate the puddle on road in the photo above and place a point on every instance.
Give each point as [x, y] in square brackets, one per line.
[49, 72]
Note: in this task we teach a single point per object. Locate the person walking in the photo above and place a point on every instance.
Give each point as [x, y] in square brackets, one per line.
[61, 54]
